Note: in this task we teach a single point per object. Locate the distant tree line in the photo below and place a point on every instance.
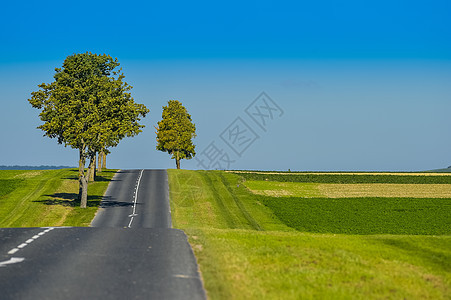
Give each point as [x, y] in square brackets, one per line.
[17, 167]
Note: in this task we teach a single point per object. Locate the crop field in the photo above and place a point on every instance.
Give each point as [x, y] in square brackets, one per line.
[268, 239]
[47, 198]
[333, 190]
[350, 178]
[364, 215]
[359, 208]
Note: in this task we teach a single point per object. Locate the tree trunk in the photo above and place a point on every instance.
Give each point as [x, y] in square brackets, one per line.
[92, 169]
[104, 161]
[81, 165]
[82, 182]
[99, 167]
[84, 192]
[88, 172]
[177, 160]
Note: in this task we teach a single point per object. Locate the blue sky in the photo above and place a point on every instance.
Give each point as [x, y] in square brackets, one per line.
[362, 86]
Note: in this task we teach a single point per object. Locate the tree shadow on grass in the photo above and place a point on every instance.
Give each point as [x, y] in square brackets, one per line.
[100, 176]
[69, 199]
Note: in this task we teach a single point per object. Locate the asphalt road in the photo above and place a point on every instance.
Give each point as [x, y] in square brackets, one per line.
[132, 253]
[136, 199]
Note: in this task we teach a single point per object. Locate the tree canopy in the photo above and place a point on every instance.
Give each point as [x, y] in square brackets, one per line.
[88, 107]
[175, 132]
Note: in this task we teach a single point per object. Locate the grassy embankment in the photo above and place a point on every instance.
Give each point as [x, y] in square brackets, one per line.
[248, 247]
[47, 198]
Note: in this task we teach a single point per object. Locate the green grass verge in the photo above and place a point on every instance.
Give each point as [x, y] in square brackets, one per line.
[47, 198]
[244, 264]
[7, 186]
[246, 252]
[214, 199]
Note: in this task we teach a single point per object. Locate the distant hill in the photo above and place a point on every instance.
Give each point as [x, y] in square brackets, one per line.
[445, 170]
[34, 167]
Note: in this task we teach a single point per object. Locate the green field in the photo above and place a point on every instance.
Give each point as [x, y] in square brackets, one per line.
[350, 178]
[364, 215]
[41, 198]
[343, 208]
[251, 246]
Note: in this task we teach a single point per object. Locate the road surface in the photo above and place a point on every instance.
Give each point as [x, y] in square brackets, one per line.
[136, 199]
[131, 253]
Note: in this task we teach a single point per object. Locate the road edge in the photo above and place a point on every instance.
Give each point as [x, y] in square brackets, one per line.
[99, 208]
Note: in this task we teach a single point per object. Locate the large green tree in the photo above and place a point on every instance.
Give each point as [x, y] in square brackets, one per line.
[175, 132]
[88, 107]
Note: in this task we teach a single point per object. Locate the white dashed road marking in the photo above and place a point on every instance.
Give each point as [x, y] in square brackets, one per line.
[27, 242]
[22, 245]
[134, 214]
[13, 251]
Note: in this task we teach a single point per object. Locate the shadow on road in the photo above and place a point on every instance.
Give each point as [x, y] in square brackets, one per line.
[109, 202]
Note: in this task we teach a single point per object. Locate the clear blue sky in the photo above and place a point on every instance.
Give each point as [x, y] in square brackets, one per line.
[363, 85]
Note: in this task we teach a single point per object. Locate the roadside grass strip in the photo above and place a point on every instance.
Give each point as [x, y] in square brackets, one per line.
[245, 264]
[47, 198]
[203, 199]
[8, 185]
[250, 246]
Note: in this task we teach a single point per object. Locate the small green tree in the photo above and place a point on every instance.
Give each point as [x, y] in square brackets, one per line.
[175, 132]
[88, 108]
